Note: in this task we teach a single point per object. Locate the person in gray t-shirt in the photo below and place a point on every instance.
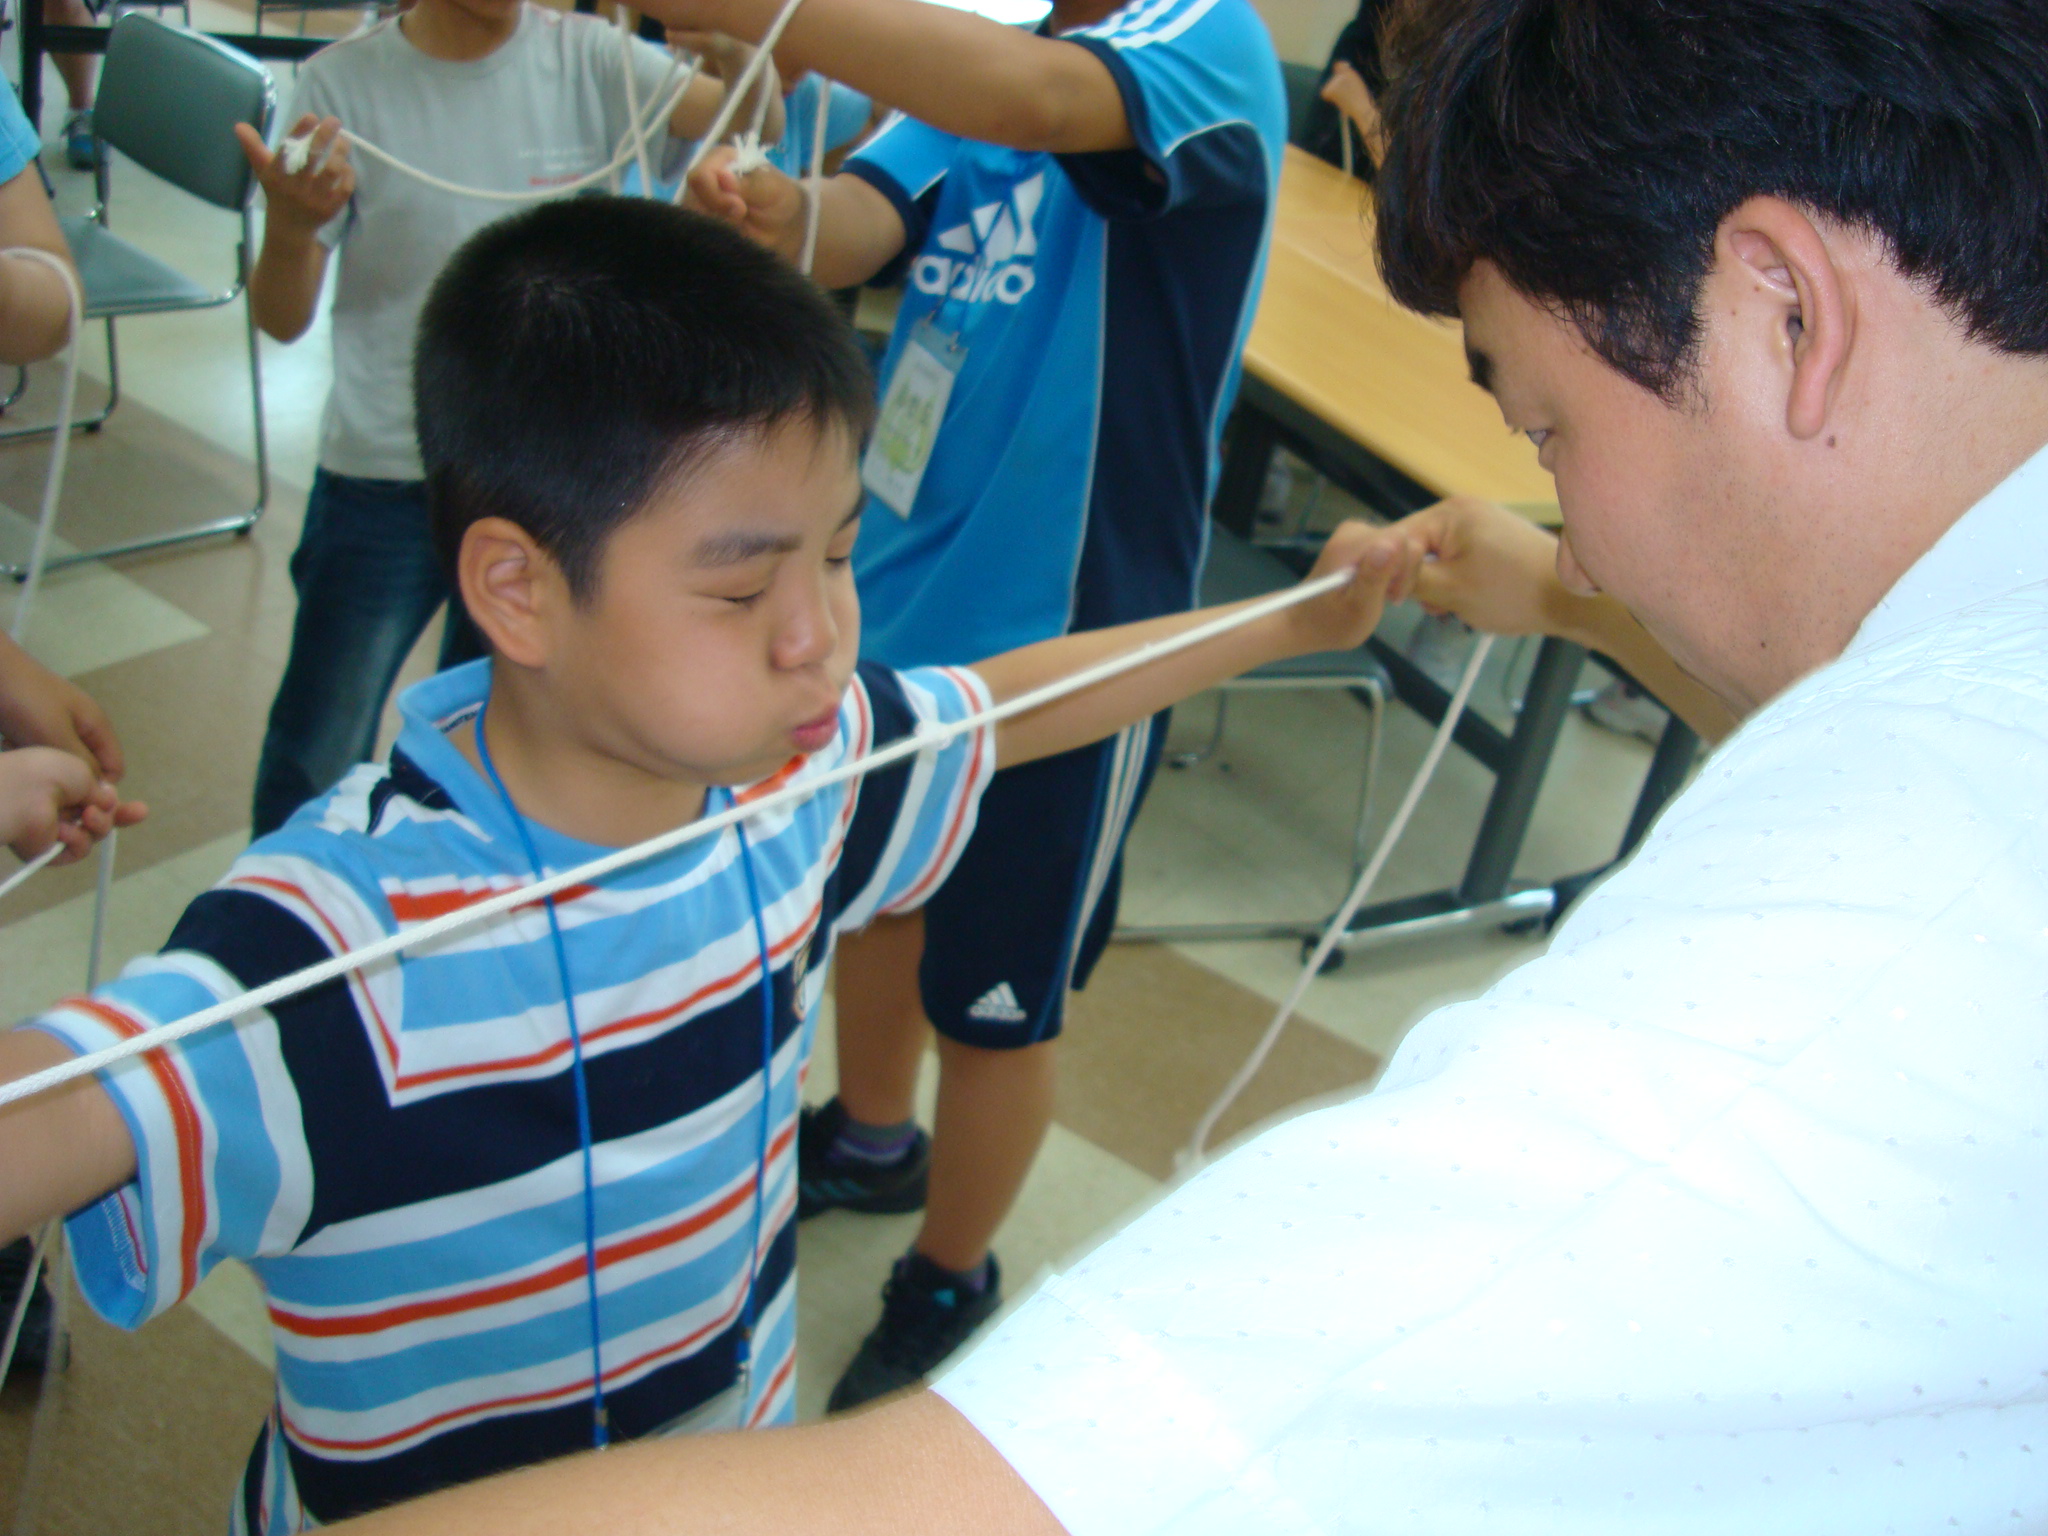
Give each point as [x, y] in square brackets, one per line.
[499, 94]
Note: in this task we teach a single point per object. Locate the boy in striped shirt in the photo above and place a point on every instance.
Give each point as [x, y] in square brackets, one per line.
[532, 1186]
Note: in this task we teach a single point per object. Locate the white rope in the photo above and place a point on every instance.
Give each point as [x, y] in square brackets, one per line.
[60, 443]
[814, 184]
[1196, 1151]
[631, 78]
[736, 91]
[44, 1239]
[34, 864]
[596, 869]
[296, 151]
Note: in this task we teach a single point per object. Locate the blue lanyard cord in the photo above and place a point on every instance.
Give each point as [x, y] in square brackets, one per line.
[747, 1304]
[600, 1430]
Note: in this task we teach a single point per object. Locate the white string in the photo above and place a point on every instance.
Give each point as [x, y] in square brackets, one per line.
[736, 91]
[44, 1239]
[1195, 1153]
[923, 740]
[30, 868]
[814, 184]
[631, 77]
[632, 145]
[60, 443]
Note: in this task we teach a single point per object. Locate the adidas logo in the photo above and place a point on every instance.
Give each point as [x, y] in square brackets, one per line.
[993, 249]
[998, 1005]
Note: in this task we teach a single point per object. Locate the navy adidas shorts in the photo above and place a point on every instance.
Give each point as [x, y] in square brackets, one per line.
[1025, 913]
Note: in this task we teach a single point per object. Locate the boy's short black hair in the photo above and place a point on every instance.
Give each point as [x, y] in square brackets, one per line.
[576, 357]
[1591, 148]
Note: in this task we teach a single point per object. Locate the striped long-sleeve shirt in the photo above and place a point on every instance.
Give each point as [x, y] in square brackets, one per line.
[397, 1155]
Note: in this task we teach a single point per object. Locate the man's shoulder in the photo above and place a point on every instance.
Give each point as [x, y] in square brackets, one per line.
[358, 61]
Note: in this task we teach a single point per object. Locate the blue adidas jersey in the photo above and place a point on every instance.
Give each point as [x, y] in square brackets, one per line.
[1103, 301]
[397, 1156]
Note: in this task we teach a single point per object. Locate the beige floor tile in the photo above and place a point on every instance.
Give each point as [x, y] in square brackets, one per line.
[87, 616]
[231, 1299]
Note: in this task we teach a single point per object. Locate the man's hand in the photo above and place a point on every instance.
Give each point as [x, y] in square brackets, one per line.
[764, 204]
[306, 199]
[1383, 564]
[40, 709]
[1494, 570]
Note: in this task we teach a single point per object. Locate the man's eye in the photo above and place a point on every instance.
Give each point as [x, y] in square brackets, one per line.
[1539, 436]
[748, 600]
[838, 562]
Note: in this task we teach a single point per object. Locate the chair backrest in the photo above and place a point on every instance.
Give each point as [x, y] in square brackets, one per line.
[169, 100]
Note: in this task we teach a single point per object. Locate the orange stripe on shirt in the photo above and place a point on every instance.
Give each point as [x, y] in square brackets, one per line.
[341, 946]
[409, 907]
[511, 1290]
[186, 1128]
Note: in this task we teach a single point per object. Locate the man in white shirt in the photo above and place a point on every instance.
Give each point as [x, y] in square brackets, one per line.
[1730, 1213]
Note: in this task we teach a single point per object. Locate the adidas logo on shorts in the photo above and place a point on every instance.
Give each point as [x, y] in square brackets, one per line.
[998, 1005]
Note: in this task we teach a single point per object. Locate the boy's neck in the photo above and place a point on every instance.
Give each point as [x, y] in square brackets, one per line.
[458, 34]
[567, 784]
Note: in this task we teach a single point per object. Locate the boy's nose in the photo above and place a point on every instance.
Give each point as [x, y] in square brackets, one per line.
[807, 635]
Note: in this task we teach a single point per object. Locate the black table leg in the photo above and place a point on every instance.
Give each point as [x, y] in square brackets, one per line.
[1520, 777]
[1245, 462]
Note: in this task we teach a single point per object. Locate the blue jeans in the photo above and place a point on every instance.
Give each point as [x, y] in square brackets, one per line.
[368, 582]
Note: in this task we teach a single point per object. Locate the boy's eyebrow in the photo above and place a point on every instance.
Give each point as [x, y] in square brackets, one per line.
[1480, 366]
[741, 545]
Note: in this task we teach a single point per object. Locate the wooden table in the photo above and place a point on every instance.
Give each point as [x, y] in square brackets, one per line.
[1379, 399]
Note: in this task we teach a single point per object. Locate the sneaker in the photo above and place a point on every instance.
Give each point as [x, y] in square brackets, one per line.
[1628, 711]
[874, 1189]
[32, 1348]
[926, 1315]
[80, 148]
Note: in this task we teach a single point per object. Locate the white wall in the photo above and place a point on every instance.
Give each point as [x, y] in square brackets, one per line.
[1303, 30]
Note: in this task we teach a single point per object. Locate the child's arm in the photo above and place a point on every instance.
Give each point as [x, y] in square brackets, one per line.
[1498, 572]
[62, 1149]
[284, 288]
[959, 72]
[1384, 563]
[35, 311]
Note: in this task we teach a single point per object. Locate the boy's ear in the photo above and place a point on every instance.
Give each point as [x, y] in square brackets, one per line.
[512, 589]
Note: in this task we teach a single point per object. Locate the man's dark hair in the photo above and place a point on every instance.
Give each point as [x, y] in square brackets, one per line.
[575, 358]
[1590, 149]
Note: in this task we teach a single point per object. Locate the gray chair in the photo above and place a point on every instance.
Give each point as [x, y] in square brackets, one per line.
[169, 99]
[1237, 570]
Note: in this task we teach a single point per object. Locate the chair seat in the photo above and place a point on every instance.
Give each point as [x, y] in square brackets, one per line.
[1237, 571]
[120, 279]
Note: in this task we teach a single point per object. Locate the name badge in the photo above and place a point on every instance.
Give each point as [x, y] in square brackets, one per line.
[912, 409]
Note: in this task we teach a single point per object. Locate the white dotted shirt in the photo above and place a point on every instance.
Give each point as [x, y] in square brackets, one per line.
[1729, 1214]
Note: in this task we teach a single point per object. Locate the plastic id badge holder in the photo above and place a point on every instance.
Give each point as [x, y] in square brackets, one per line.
[913, 408]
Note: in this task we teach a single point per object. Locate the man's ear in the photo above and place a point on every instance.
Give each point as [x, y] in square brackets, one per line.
[512, 588]
[1774, 254]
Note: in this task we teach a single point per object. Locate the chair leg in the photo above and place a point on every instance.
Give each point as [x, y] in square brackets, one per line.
[1208, 748]
[255, 400]
[1375, 718]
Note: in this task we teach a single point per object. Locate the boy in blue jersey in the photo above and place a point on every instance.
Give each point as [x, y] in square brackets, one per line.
[1081, 216]
[533, 1187]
